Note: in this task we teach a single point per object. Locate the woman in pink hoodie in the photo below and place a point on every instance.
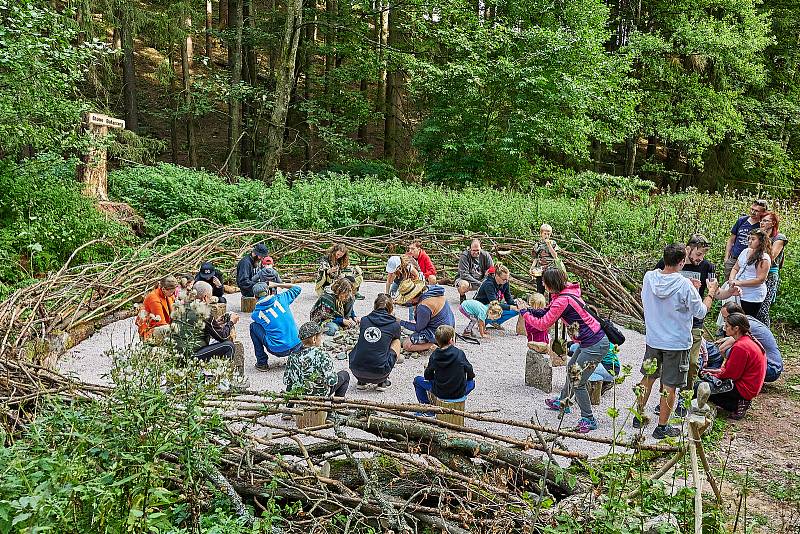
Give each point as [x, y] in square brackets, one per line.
[566, 304]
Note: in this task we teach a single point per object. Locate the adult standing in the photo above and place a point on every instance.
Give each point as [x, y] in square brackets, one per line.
[212, 275]
[762, 334]
[378, 347]
[698, 270]
[496, 287]
[416, 251]
[473, 265]
[335, 264]
[737, 241]
[247, 269]
[670, 303]
[566, 304]
[769, 224]
[273, 327]
[156, 311]
[432, 311]
[750, 273]
[746, 367]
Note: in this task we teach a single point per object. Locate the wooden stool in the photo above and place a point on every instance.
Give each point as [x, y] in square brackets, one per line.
[595, 388]
[248, 304]
[311, 418]
[455, 419]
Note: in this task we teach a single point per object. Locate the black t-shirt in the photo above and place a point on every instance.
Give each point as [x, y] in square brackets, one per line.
[706, 270]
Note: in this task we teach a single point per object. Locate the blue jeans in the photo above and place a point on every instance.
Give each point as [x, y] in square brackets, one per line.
[331, 328]
[772, 374]
[259, 338]
[601, 374]
[422, 387]
[507, 314]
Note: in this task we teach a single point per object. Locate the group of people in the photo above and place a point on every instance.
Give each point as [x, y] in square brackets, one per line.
[676, 296]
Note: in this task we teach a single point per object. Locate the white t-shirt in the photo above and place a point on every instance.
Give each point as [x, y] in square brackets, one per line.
[748, 272]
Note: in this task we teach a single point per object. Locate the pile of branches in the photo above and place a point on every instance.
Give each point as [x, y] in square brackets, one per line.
[382, 466]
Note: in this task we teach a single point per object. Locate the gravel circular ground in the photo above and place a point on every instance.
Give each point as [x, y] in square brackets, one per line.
[499, 364]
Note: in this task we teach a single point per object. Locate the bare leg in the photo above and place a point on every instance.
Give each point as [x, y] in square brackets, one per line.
[647, 387]
[418, 347]
[667, 402]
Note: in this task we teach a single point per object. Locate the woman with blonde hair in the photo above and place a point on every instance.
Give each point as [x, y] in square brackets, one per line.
[335, 264]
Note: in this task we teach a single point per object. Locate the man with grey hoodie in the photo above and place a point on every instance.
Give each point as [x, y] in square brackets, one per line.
[671, 302]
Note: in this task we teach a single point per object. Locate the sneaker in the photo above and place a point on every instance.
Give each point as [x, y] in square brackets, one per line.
[383, 386]
[555, 405]
[741, 409]
[640, 421]
[679, 411]
[359, 296]
[425, 414]
[361, 386]
[341, 356]
[263, 367]
[586, 425]
[666, 431]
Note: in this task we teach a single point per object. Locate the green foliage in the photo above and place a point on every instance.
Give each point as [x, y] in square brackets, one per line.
[44, 218]
[40, 68]
[618, 216]
[534, 83]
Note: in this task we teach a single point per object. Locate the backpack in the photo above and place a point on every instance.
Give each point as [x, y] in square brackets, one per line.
[611, 331]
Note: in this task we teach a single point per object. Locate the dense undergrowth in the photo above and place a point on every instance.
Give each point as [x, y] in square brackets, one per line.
[138, 460]
[44, 217]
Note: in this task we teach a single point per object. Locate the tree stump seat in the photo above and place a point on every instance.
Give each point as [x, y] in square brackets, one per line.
[455, 419]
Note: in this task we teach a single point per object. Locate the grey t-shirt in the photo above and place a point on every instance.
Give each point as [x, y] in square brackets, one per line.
[763, 334]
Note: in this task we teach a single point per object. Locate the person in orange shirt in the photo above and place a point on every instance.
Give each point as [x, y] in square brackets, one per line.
[157, 308]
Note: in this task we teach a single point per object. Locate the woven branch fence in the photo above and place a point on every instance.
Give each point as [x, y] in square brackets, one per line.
[479, 479]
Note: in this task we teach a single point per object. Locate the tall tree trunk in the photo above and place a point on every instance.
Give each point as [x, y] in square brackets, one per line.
[186, 58]
[173, 85]
[209, 19]
[222, 21]
[249, 77]
[382, 28]
[129, 93]
[234, 104]
[283, 88]
[630, 154]
[362, 126]
[310, 43]
[390, 126]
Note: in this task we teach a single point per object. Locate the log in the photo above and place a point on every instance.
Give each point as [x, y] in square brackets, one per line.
[452, 418]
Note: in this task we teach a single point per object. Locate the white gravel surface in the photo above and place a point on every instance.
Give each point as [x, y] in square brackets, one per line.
[499, 364]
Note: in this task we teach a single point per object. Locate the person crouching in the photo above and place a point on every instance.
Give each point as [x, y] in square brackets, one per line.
[310, 370]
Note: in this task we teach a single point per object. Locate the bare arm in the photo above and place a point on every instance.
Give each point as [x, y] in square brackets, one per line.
[777, 247]
[761, 274]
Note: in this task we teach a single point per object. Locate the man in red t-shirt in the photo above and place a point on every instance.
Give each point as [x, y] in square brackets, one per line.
[428, 270]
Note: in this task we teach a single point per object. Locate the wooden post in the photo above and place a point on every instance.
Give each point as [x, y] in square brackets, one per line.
[452, 418]
[92, 171]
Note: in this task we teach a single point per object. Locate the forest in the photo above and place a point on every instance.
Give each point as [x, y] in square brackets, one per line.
[685, 94]
[299, 124]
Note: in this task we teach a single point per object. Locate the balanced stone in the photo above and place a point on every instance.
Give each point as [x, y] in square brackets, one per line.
[538, 371]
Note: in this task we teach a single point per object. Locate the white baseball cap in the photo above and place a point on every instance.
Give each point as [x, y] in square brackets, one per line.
[393, 264]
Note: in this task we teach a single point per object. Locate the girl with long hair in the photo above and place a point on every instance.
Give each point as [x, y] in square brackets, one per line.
[750, 272]
[769, 224]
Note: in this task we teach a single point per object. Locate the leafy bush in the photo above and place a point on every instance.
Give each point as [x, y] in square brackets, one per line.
[620, 217]
[44, 218]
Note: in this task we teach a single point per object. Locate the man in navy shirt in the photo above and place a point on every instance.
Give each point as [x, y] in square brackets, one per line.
[737, 242]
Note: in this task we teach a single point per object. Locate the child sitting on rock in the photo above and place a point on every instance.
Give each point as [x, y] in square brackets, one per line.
[449, 375]
[538, 340]
[478, 313]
